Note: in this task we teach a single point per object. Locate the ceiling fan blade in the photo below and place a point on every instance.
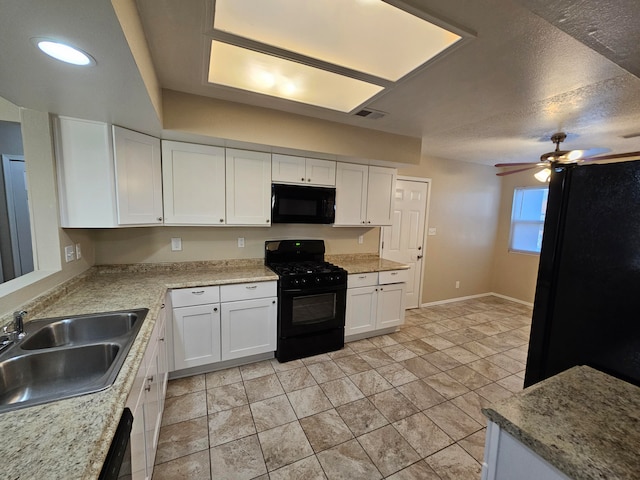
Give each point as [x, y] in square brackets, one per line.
[502, 174]
[520, 164]
[613, 156]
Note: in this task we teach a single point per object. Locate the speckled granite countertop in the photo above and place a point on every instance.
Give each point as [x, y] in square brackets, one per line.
[69, 439]
[364, 263]
[582, 421]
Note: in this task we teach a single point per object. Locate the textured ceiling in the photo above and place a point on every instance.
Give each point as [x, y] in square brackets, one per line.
[530, 68]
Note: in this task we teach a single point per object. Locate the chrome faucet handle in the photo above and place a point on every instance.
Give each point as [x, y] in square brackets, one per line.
[18, 322]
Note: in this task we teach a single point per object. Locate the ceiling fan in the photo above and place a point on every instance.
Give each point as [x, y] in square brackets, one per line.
[557, 157]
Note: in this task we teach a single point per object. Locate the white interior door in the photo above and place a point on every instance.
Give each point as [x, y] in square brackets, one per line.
[403, 241]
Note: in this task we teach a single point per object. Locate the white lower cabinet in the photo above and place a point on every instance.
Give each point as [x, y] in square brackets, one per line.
[196, 335]
[248, 327]
[146, 402]
[506, 458]
[241, 323]
[372, 304]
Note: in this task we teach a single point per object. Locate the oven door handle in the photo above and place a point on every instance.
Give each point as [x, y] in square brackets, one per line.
[314, 291]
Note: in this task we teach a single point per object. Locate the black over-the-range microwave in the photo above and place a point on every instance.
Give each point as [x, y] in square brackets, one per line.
[302, 204]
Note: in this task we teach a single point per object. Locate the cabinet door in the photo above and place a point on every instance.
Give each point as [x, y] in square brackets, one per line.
[193, 179]
[152, 413]
[351, 194]
[196, 335]
[85, 171]
[381, 188]
[138, 177]
[138, 467]
[287, 168]
[391, 302]
[248, 327]
[248, 187]
[320, 172]
[361, 310]
[163, 361]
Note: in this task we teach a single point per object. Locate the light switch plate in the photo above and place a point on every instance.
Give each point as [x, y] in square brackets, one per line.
[431, 231]
[78, 252]
[360, 239]
[240, 242]
[176, 244]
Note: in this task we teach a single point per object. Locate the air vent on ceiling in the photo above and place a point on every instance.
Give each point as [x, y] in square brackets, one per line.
[631, 135]
[370, 114]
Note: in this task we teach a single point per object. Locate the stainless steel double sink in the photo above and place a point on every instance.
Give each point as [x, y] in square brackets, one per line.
[65, 357]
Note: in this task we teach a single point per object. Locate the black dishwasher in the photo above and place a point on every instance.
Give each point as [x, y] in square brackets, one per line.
[118, 461]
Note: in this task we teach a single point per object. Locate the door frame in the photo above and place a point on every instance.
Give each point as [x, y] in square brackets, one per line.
[428, 181]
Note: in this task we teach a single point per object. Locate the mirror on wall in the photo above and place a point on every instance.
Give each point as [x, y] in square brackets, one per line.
[16, 253]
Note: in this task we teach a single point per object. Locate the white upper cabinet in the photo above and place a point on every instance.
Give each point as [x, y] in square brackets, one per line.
[138, 177]
[380, 195]
[193, 180]
[248, 181]
[308, 171]
[351, 194]
[106, 178]
[364, 195]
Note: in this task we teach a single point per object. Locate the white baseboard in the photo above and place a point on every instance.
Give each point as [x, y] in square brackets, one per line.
[517, 300]
[456, 299]
[469, 297]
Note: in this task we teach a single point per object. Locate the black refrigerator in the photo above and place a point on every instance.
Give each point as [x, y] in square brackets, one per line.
[587, 302]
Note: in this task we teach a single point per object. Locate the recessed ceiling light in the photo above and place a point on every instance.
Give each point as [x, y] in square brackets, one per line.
[63, 52]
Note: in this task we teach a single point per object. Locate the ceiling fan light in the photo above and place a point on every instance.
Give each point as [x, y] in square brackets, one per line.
[543, 175]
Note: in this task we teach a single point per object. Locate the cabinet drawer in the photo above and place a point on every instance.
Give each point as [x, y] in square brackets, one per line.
[394, 276]
[362, 279]
[186, 297]
[245, 291]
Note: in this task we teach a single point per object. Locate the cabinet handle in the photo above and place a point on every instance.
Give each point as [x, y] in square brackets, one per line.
[162, 306]
[376, 289]
[198, 292]
[267, 220]
[381, 288]
[302, 179]
[252, 287]
[215, 309]
[147, 388]
[394, 273]
[308, 179]
[363, 221]
[273, 301]
[368, 221]
[159, 219]
[221, 220]
[362, 277]
[161, 339]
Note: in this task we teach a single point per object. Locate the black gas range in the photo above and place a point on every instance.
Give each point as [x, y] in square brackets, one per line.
[311, 298]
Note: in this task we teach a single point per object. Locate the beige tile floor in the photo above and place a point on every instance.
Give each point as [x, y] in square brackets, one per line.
[402, 406]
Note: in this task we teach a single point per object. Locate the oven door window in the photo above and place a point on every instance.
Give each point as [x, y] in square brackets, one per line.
[310, 309]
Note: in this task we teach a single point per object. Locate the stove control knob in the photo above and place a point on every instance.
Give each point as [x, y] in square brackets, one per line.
[303, 281]
[318, 280]
[295, 281]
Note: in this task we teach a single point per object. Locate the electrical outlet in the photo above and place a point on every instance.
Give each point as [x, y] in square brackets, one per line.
[176, 244]
[78, 252]
[69, 253]
[240, 242]
[457, 283]
[360, 239]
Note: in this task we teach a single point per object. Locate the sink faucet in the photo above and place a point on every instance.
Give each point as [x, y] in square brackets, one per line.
[18, 322]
